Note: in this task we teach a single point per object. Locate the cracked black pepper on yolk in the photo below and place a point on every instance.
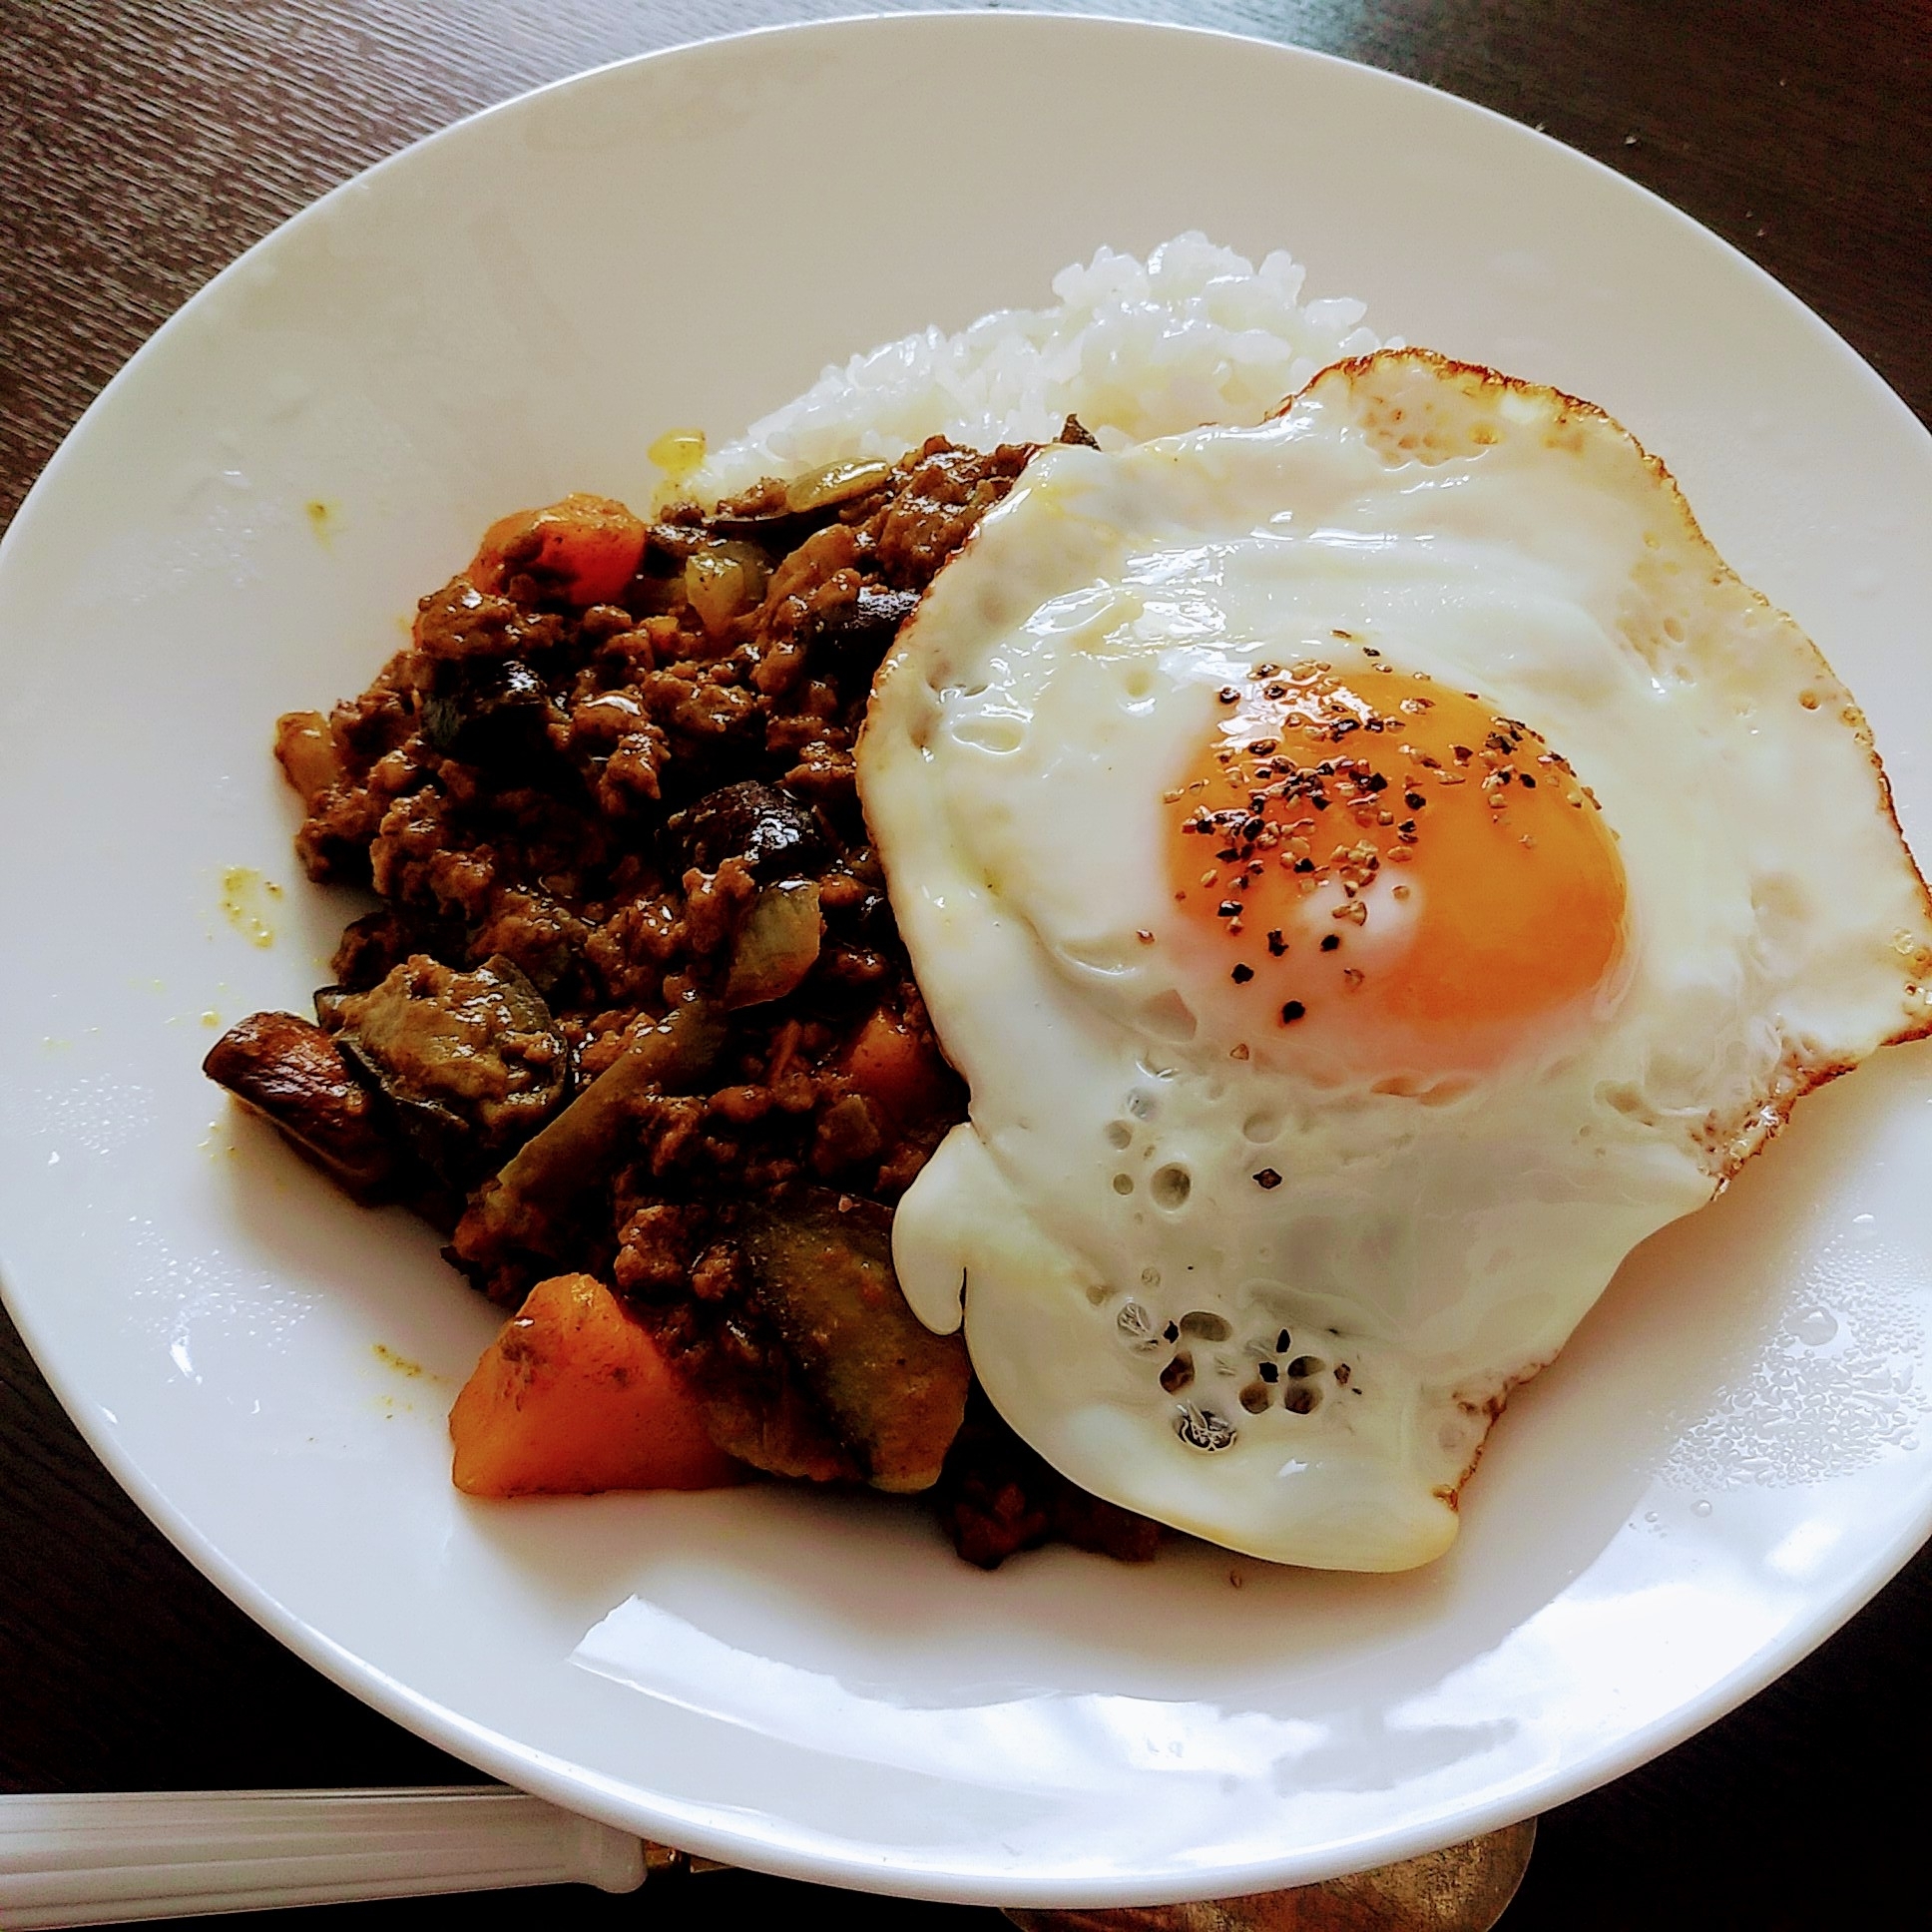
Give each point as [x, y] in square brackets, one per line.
[1372, 851]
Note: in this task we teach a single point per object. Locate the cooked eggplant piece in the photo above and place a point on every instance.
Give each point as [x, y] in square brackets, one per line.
[291, 1074]
[524, 1207]
[834, 484]
[775, 832]
[373, 946]
[756, 1402]
[850, 640]
[488, 711]
[770, 1423]
[471, 1062]
[370, 949]
[819, 1268]
[777, 946]
[793, 1332]
[809, 503]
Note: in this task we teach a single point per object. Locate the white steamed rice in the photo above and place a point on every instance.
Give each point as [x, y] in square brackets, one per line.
[1194, 334]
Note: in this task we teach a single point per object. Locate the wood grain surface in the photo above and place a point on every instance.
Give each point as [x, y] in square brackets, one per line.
[145, 143]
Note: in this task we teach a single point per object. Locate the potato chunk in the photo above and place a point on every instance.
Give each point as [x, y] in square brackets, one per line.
[573, 1396]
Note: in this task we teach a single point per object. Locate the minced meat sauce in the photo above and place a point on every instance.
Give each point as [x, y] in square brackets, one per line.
[633, 1003]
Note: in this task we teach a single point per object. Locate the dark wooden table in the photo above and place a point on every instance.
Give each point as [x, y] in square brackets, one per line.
[143, 143]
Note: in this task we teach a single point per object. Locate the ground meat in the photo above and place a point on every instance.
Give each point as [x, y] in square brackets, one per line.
[461, 622]
[948, 491]
[629, 809]
[997, 1498]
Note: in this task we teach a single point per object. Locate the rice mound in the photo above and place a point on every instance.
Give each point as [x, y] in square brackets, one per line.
[1194, 334]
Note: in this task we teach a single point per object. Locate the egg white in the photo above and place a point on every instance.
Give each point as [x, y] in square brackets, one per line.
[1430, 1244]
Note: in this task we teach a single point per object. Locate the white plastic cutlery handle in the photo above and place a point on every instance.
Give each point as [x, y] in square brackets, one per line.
[110, 1858]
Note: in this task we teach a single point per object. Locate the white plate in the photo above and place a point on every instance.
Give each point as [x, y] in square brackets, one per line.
[1725, 1463]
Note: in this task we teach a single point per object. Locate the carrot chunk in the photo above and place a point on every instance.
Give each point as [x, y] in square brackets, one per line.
[589, 546]
[573, 1396]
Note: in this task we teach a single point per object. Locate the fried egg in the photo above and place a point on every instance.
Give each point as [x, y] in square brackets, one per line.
[1372, 870]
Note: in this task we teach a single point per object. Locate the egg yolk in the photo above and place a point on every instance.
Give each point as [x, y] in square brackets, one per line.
[1372, 856]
